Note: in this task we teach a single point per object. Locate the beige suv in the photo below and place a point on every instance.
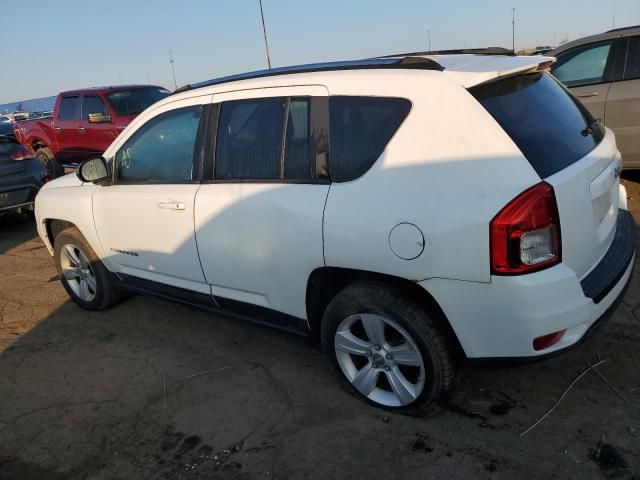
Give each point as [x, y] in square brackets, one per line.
[603, 71]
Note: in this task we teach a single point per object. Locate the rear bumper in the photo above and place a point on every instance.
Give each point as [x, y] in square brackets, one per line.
[502, 318]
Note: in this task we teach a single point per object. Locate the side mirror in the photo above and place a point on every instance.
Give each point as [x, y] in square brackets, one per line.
[99, 118]
[94, 170]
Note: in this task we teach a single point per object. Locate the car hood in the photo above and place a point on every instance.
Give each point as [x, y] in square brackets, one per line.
[68, 180]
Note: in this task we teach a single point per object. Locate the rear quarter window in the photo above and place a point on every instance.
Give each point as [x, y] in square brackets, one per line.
[549, 126]
[360, 128]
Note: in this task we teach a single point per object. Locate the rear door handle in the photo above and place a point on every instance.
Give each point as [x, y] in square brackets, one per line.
[587, 94]
[171, 205]
[81, 129]
[57, 129]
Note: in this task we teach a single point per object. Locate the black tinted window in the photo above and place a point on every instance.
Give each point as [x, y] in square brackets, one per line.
[360, 128]
[93, 104]
[632, 66]
[543, 120]
[249, 141]
[69, 108]
[162, 150]
[297, 164]
[132, 102]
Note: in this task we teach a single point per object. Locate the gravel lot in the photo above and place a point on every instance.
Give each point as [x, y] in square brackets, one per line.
[87, 395]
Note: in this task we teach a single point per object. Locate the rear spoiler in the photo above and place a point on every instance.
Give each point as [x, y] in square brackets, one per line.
[477, 70]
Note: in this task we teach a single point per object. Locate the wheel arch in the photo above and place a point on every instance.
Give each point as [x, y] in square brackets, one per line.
[37, 144]
[53, 227]
[324, 283]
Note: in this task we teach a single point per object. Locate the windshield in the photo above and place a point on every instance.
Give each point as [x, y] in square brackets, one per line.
[133, 102]
[549, 126]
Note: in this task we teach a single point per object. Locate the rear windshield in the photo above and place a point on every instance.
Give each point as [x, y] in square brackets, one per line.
[133, 102]
[549, 126]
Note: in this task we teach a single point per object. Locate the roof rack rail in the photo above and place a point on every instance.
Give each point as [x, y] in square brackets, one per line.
[473, 51]
[622, 29]
[407, 62]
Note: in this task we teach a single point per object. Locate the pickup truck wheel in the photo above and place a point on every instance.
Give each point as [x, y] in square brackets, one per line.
[83, 275]
[53, 166]
[387, 348]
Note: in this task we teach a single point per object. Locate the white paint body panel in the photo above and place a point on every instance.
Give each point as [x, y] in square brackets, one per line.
[160, 243]
[587, 194]
[448, 174]
[259, 242]
[501, 318]
[448, 170]
[67, 198]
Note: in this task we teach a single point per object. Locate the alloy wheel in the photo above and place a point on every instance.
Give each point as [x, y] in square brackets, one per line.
[78, 272]
[380, 359]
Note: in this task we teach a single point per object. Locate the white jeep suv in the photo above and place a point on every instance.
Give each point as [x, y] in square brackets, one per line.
[407, 211]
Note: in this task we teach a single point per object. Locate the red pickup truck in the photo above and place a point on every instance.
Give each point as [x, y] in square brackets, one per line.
[84, 123]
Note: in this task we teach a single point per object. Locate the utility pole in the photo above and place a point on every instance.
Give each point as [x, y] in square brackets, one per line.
[173, 69]
[613, 22]
[264, 32]
[148, 79]
[513, 29]
[429, 37]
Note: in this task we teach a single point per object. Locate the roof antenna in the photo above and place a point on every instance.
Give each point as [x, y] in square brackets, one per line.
[175, 84]
[264, 31]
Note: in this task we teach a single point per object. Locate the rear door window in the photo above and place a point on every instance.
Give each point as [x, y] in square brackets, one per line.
[360, 128]
[249, 140]
[583, 65]
[297, 164]
[542, 118]
[69, 108]
[632, 65]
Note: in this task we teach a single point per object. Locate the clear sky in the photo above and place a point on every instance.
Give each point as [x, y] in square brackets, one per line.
[47, 46]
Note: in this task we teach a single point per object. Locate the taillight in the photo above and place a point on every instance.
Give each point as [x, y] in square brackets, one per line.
[525, 235]
[22, 153]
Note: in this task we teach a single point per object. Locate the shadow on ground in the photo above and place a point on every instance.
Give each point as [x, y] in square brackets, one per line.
[154, 390]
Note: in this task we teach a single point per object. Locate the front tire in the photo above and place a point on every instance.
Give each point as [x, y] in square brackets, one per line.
[83, 275]
[53, 166]
[387, 348]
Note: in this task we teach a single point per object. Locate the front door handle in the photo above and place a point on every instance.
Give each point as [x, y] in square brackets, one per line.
[57, 129]
[587, 94]
[81, 129]
[171, 205]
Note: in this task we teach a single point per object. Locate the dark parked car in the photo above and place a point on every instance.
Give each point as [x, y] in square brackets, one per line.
[21, 175]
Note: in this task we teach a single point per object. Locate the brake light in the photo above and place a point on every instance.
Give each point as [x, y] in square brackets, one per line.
[23, 153]
[525, 235]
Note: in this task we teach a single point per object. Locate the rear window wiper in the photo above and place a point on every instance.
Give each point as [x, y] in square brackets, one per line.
[595, 125]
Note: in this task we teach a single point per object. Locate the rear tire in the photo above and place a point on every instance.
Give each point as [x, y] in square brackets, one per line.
[53, 166]
[83, 275]
[387, 349]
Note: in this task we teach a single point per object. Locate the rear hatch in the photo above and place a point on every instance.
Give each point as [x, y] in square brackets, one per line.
[568, 150]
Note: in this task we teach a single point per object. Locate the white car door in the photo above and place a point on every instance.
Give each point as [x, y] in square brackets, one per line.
[145, 219]
[259, 220]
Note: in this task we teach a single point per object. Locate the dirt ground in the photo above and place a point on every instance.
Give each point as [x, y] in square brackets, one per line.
[116, 395]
